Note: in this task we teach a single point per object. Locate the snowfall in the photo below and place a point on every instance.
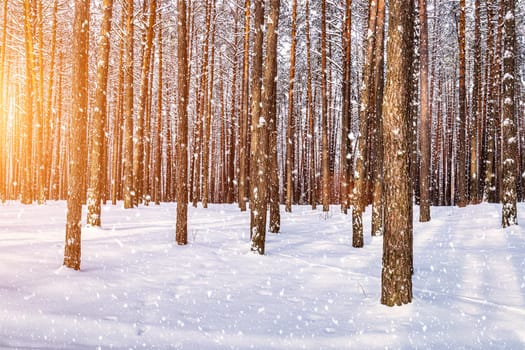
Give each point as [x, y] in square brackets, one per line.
[137, 289]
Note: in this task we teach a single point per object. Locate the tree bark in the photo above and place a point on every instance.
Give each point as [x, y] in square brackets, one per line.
[324, 115]
[396, 268]
[290, 131]
[99, 119]
[129, 191]
[182, 135]
[425, 118]
[79, 93]
[510, 139]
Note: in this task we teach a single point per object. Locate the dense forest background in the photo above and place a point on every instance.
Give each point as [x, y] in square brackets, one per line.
[267, 102]
[36, 102]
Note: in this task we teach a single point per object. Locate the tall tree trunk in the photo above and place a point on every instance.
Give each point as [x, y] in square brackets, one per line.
[207, 113]
[311, 114]
[234, 120]
[260, 191]
[476, 109]
[243, 125]
[99, 118]
[510, 139]
[377, 133]
[290, 131]
[157, 193]
[129, 191]
[491, 86]
[139, 139]
[27, 128]
[461, 150]
[182, 134]
[346, 116]
[257, 217]
[77, 134]
[365, 115]
[3, 159]
[396, 284]
[324, 114]
[425, 117]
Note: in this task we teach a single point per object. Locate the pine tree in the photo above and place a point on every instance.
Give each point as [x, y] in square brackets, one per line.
[77, 137]
[510, 139]
[182, 127]
[99, 119]
[424, 123]
[397, 244]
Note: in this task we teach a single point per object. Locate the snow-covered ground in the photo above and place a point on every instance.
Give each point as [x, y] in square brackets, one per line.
[137, 289]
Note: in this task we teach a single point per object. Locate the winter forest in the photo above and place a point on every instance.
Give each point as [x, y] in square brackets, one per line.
[219, 150]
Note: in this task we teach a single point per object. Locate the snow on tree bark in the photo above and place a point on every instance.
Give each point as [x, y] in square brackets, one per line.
[397, 242]
[79, 93]
[509, 143]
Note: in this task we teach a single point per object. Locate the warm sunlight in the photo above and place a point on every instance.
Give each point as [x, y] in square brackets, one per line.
[262, 174]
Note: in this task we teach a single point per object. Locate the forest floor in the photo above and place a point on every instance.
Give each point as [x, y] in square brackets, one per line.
[137, 289]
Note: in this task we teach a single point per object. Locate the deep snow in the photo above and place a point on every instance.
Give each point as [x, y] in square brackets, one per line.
[137, 289]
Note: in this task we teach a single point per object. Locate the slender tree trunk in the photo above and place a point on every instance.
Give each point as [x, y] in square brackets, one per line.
[243, 127]
[290, 131]
[510, 139]
[257, 217]
[359, 195]
[476, 109]
[324, 114]
[261, 177]
[27, 129]
[425, 117]
[461, 153]
[346, 116]
[234, 120]
[138, 144]
[377, 133]
[72, 251]
[129, 191]
[182, 134]
[158, 144]
[99, 119]
[491, 86]
[207, 114]
[396, 286]
[311, 113]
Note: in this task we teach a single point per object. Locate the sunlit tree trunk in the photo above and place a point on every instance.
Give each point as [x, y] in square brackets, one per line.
[139, 139]
[128, 190]
[79, 93]
[425, 118]
[27, 128]
[99, 119]
[243, 124]
[50, 120]
[3, 158]
[396, 284]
